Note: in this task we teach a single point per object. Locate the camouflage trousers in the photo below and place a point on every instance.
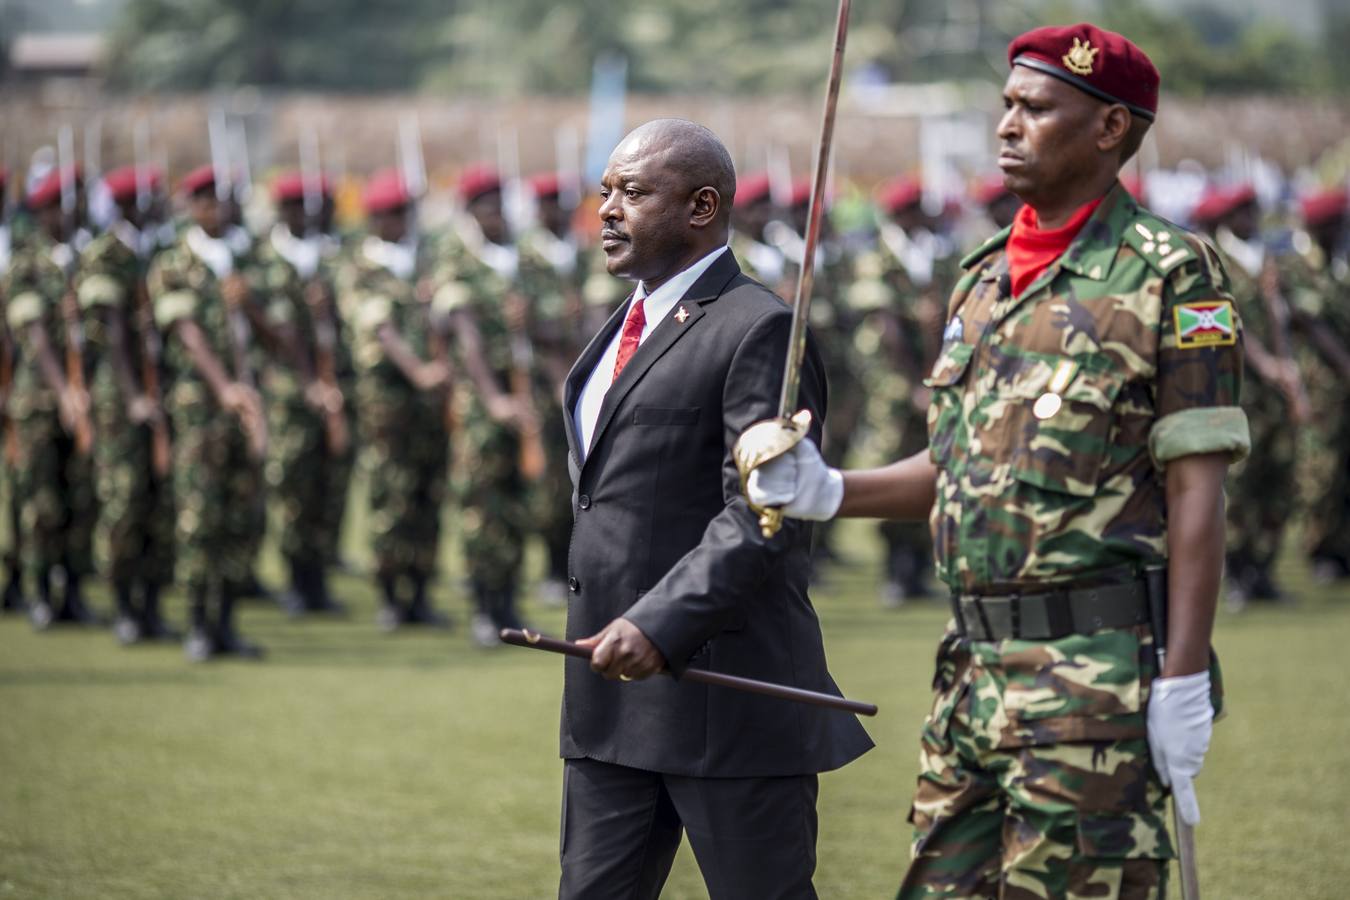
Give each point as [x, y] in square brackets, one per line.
[217, 493]
[407, 457]
[134, 536]
[551, 495]
[495, 504]
[55, 489]
[307, 482]
[1035, 779]
[1261, 489]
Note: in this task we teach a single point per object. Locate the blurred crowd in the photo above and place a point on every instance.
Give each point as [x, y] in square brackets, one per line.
[188, 364]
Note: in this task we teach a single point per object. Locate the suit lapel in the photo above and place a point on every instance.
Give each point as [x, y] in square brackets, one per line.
[673, 327]
[581, 371]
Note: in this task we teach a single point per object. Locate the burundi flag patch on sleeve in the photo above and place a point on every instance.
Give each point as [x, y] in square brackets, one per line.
[1206, 323]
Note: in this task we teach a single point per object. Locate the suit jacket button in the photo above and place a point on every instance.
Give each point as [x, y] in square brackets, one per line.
[584, 501]
[573, 585]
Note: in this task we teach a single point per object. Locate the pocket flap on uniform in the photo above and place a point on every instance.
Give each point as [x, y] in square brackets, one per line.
[663, 415]
[1122, 836]
[951, 365]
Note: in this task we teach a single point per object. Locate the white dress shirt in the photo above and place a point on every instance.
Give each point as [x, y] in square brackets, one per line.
[655, 309]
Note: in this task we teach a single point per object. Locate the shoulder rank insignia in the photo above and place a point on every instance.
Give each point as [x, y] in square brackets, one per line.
[1080, 57]
[1205, 323]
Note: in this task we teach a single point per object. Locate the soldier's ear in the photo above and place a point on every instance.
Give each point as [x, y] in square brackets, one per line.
[1114, 128]
[707, 205]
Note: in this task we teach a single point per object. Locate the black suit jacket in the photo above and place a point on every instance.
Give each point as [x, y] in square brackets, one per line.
[663, 536]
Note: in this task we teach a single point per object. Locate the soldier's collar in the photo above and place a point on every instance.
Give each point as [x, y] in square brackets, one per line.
[1094, 251]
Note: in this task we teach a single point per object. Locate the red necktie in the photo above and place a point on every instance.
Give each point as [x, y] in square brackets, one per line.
[632, 334]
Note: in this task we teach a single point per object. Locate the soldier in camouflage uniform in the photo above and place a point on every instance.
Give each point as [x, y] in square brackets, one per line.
[751, 216]
[479, 287]
[49, 409]
[334, 254]
[401, 396]
[134, 533]
[12, 600]
[1322, 314]
[201, 300]
[307, 422]
[1085, 407]
[553, 280]
[1263, 491]
[900, 288]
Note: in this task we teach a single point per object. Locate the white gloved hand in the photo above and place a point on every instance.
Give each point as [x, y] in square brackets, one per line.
[799, 482]
[1180, 721]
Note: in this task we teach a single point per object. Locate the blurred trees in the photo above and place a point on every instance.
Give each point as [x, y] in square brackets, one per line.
[547, 46]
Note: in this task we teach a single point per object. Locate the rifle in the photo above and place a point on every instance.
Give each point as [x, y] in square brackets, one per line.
[161, 455]
[70, 306]
[336, 433]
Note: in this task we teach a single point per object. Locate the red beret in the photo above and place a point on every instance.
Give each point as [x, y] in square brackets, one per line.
[477, 180]
[289, 187]
[123, 183]
[385, 191]
[899, 193]
[751, 189]
[199, 179]
[1219, 202]
[48, 190]
[989, 190]
[546, 184]
[1098, 62]
[1325, 206]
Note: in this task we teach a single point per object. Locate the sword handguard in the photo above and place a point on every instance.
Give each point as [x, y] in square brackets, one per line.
[762, 442]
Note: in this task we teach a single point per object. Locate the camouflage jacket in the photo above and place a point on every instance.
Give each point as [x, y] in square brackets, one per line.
[1134, 337]
[182, 286]
[109, 277]
[35, 287]
[375, 296]
[465, 283]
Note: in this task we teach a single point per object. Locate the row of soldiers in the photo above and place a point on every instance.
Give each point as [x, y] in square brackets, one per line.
[162, 385]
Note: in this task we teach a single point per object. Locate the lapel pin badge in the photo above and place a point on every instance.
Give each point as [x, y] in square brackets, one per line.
[682, 315]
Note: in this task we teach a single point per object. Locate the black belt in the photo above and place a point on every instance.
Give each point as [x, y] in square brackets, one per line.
[1049, 615]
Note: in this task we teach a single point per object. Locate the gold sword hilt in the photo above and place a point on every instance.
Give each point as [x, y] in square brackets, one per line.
[762, 442]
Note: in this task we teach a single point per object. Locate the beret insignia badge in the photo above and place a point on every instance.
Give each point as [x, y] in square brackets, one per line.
[1080, 57]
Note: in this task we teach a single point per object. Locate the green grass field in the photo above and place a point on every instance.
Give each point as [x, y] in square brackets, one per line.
[356, 765]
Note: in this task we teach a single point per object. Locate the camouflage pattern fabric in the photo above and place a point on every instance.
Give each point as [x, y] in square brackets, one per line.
[494, 497]
[54, 485]
[1035, 775]
[217, 487]
[407, 466]
[134, 535]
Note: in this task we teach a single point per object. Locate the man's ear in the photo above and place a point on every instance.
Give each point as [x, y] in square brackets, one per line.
[1114, 128]
[707, 204]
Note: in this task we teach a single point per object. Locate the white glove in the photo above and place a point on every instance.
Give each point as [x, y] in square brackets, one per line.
[1180, 720]
[799, 482]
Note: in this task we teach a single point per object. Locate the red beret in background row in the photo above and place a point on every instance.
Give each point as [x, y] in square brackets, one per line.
[546, 184]
[1218, 202]
[289, 187]
[477, 180]
[989, 190]
[1325, 206]
[1098, 62]
[385, 191]
[899, 193]
[48, 190]
[199, 179]
[124, 183]
[751, 189]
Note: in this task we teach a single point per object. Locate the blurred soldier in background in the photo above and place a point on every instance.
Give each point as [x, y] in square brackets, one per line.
[201, 300]
[998, 204]
[900, 287]
[1322, 314]
[401, 393]
[750, 218]
[49, 404]
[134, 533]
[1262, 491]
[13, 600]
[479, 287]
[306, 419]
[552, 274]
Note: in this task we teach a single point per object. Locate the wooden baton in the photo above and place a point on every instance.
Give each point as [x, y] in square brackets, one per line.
[536, 641]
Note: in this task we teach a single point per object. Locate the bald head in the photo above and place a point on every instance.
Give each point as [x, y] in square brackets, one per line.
[667, 194]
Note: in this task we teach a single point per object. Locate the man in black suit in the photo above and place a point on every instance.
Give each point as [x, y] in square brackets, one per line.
[668, 567]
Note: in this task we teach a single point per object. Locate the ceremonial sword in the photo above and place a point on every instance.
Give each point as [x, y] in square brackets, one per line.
[774, 437]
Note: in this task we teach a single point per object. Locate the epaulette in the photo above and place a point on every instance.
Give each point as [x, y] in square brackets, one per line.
[994, 243]
[1162, 244]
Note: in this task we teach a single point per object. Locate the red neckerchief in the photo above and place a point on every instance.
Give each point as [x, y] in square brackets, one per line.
[1030, 250]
